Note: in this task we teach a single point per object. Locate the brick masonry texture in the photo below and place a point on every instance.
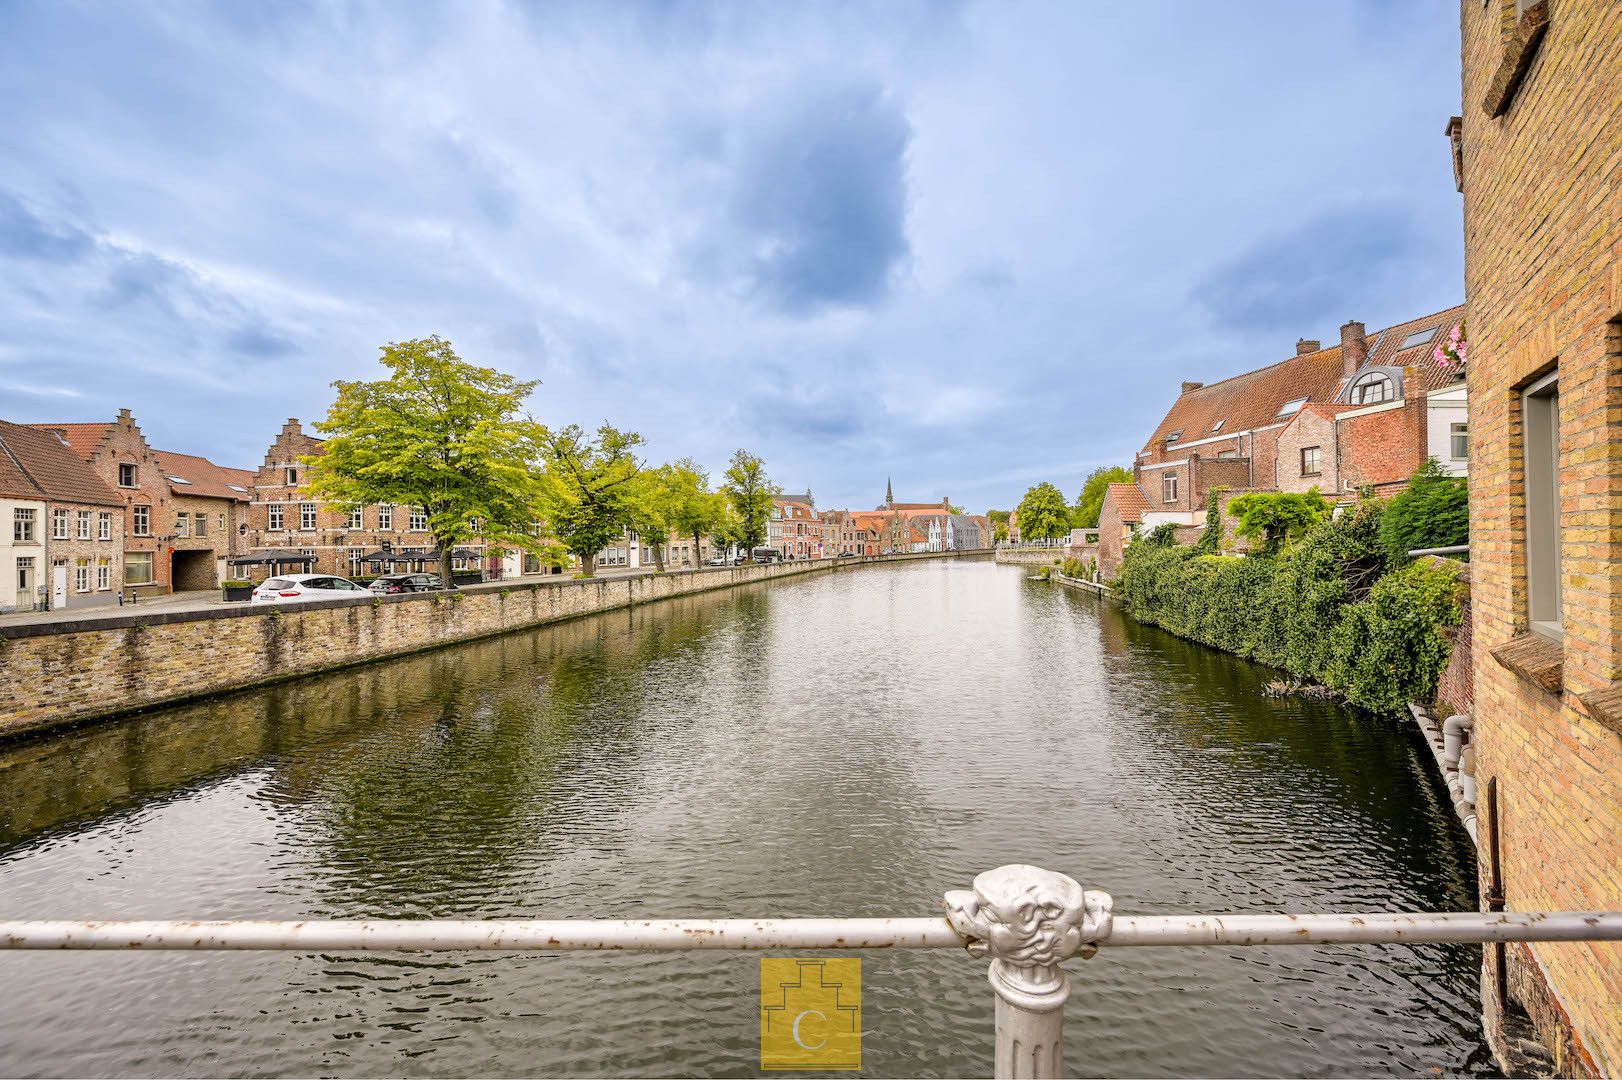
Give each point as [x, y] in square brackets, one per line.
[1542, 188]
[50, 678]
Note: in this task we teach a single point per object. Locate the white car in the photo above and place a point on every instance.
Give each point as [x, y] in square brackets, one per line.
[292, 587]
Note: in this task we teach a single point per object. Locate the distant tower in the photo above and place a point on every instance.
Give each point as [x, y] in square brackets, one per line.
[889, 494]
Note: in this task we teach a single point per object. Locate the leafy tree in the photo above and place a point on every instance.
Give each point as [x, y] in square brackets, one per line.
[587, 488]
[999, 525]
[750, 494]
[1090, 503]
[648, 500]
[441, 435]
[693, 509]
[1278, 518]
[1433, 512]
[950, 509]
[1043, 514]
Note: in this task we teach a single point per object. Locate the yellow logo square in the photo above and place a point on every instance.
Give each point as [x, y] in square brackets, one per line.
[810, 1013]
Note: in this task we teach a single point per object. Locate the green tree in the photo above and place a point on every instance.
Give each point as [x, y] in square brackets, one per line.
[694, 510]
[999, 525]
[1278, 518]
[750, 495]
[1043, 514]
[441, 435]
[587, 488]
[1090, 503]
[1434, 511]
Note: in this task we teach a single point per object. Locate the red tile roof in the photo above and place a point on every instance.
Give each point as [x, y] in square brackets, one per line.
[1131, 500]
[1253, 400]
[39, 465]
[203, 477]
[83, 438]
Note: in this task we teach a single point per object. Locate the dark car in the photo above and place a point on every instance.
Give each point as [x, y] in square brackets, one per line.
[402, 583]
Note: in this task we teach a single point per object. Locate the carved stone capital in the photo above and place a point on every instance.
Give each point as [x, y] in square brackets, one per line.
[1028, 917]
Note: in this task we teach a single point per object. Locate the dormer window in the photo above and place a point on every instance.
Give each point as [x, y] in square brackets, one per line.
[1372, 390]
[1292, 406]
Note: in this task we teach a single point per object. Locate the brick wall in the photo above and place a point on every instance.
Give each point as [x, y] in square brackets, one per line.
[1383, 447]
[1455, 690]
[84, 558]
[1309, 428]
[51, 676]
[1542, 188]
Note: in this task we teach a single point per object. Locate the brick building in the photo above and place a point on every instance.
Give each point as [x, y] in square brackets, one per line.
[1120, 515]
[1539, 162]
[795, 528]
[290, 531]
[183, 515]
[63, 525]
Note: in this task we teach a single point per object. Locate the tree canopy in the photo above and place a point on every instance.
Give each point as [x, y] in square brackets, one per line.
[693, 509]
[439, 434]
[1090, 503]
[1043, 514]
[750, 493]
[587, 487]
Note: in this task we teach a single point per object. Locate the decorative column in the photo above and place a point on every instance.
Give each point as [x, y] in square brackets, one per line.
[1028, 920]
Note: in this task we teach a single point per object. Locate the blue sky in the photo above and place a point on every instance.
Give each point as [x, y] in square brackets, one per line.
[968, 246]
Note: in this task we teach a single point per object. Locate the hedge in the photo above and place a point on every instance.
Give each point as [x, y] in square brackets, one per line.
[1328, 611]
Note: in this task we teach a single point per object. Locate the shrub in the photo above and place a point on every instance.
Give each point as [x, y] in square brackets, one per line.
[1434, 511]
[1278, 518]
[1210, 541]
[1323, 612]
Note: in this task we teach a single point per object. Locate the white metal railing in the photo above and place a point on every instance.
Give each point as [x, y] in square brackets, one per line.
[1026, 919]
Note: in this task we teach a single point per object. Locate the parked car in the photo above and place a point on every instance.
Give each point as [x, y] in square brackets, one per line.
[847, 555]
[403, 583]
[293, 587]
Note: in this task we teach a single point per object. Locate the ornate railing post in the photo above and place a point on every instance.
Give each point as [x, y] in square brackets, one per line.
[1028, 920]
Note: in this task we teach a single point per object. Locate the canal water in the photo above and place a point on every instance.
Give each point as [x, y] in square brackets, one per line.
[846, 744]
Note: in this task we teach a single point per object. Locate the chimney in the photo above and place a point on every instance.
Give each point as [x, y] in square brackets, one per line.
[1354, 347]
[1306, 345]
[124, 417]
[1187, 386]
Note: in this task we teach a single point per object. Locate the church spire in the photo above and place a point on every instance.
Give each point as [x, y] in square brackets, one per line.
[889, 494]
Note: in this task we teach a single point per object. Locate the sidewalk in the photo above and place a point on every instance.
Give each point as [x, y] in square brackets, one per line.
[181, 601]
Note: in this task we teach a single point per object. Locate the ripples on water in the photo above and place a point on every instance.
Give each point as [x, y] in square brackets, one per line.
[850, 744]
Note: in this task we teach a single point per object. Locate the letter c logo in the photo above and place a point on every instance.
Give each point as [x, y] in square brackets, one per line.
[801, 1042]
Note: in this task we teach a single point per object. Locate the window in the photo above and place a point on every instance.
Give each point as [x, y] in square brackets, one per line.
[290, 475]
[138, 568]
[1540, 414]
[1216, 427]
[22, 526]
[1418, 337]
[237, 487]
[1174, 436]
[178, 480]
[1168, 487]
[278, 518]
[357, 518]
[104, 574]
[355, 560]
[385, 517]
[1291, 406]
[1372, 390]
[126, 474]
[59, 524]
[25, 579]
[418, 522]
[1459, 439]
[201, 524]
[85, 517]
[1309, 461]
[222, 523]
[104, 527]
[182, 524]
[306, 516]
[143, 521]
[81, 575]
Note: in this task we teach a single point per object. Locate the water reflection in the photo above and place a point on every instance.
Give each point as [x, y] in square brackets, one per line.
[853, 744]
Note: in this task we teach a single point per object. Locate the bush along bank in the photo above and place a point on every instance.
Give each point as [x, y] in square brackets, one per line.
[1329, 605]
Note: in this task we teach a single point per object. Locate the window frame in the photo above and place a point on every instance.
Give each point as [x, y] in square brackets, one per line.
[1317, 461]
[104, 526]
[1359, 392]
[134, 480]
[1168, 488]
[306, 517]
[141, 516]
[60, 529]
[1456, 432]
[276, 516]
[1540, 431]
[21, 516]
[140, 559]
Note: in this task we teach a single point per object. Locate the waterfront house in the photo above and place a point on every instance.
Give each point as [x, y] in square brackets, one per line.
[183, 515]
[63, 531]
[1118, 519]
[1536, 157]
[289, 530]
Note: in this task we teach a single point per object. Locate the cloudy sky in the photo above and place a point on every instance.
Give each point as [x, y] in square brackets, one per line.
[969, 246]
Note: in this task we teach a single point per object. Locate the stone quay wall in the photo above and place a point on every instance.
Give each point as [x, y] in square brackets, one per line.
[1030, 556]
[69, 673]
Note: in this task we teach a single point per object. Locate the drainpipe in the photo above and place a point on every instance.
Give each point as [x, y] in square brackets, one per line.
[1455, 731]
